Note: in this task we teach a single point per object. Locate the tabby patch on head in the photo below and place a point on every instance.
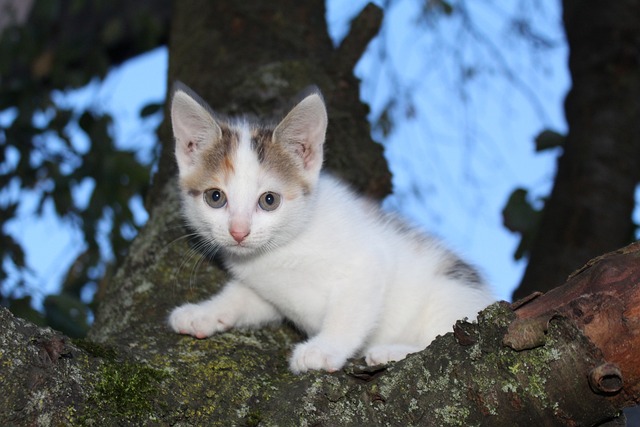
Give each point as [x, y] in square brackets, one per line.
[293, 149]
[236, 170]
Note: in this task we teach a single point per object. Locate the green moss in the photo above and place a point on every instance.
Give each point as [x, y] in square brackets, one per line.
[528, 372]
[253, 419]
[499, 314]
[219, 377]
[124, 391]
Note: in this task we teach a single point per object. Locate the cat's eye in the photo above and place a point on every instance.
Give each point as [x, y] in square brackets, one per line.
[269, 201]
[215, 198]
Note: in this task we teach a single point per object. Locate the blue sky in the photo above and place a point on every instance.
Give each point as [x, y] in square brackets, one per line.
[51, 245]
[455, 162]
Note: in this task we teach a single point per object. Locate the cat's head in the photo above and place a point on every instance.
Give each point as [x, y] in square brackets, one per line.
[246, 187]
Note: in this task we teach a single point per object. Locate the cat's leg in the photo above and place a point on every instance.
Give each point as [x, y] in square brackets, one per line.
[235, 306]
[385, 353]
[353, 311]
[318, 353]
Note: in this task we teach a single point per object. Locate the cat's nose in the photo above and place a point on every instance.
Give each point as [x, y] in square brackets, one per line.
[239, 234]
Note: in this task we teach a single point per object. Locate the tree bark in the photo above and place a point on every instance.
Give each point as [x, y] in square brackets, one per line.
[602, 299]
[590, 207]
[568, 357]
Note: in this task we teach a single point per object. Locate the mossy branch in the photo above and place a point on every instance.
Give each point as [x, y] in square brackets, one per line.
[582, 370]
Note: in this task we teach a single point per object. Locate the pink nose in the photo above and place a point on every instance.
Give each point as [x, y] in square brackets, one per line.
[239, 234]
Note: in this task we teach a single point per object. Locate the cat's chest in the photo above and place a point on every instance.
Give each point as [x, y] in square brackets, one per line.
[284, 273]
[292, 285]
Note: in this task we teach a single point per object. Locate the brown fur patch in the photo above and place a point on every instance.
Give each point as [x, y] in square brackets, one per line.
[215, 164]
[219, 158]
[278, 158]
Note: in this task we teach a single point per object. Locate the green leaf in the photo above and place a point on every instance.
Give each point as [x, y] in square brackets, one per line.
[150, 109]
[447, 7]
[384, 123]
[11, 249]
[86, 122]
[549, 139]
[519, 216]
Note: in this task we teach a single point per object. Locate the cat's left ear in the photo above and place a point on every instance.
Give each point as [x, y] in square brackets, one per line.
[303, 131]
[194, 127]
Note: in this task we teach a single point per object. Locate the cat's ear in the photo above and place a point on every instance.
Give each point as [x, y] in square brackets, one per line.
[194, 127]
[303, 130]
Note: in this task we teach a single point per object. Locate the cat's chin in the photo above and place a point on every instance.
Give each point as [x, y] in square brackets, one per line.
[241, 250]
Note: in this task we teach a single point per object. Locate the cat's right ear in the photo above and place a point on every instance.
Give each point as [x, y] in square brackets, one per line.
[303, 132]
[194, 127]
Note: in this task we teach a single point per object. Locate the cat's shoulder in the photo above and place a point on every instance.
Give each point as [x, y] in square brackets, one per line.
[338, 197]
[334, 191]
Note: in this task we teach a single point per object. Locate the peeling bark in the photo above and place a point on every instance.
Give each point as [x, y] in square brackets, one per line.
[603, 300]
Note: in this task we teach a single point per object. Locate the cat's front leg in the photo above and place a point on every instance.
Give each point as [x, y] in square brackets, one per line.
[235, 306]
[385, 353]
[318, 353]
[352, 313]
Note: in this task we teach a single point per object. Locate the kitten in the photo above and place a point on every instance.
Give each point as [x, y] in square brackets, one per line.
[301, 245]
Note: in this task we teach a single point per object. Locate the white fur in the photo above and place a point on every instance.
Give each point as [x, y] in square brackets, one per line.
[348, 276]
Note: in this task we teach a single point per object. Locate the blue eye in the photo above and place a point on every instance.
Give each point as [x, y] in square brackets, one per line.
[269, 201]
[215, 198]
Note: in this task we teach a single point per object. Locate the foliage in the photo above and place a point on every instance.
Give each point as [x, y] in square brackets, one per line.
[520, 216]
[50, 151]
[549, 139]
[471, 56]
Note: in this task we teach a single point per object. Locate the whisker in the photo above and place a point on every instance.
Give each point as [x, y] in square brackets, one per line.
[195, 248]
[204, 248]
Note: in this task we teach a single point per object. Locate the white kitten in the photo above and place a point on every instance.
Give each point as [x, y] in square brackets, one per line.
[300, 245]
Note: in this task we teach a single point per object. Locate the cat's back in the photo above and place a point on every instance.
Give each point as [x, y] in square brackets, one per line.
[344, 214]
[350, 224]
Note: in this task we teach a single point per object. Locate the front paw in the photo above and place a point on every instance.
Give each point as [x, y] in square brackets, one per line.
[316, 355]
[383, 354]
[198, 320]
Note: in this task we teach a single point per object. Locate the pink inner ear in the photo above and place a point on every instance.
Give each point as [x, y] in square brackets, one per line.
[305, 152]
[308, 158]
[186, 153]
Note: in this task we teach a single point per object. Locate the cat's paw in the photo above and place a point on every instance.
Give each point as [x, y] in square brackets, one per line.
[382, 354]
[199, 320]
[316, 355]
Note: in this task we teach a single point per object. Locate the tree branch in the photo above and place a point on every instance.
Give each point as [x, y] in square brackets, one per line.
[603, 300]
[570, 359]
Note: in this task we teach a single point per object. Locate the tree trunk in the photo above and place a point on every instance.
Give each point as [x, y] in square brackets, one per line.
[254, 57]
[589, 210]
